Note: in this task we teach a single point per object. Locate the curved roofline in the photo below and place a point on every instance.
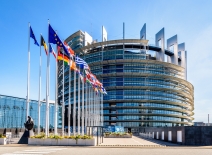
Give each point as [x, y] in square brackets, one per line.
[112, 42]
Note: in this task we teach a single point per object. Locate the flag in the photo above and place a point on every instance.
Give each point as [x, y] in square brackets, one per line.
[43, 43]
[72, 65]
[93, 77]
[99, 84]
[63, 58]
[51, 50]
[33, 36]
[104, 91]
[71, 52]
[53, 38]
[81, 77]
[81, 63]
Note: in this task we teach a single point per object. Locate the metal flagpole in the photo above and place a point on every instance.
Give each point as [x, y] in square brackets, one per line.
[89, 106]
[56, 87]
[74, 108]
[39, 94]
[102, 110]
[92, 111]
[98, 110]
[94, 108]
[86, 104]
[78, 114]
[69, 102]
[28, 77]
[83, 105]
[47, 90]
[63, 104]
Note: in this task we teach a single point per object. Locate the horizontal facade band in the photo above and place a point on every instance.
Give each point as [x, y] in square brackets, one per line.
[190, 107]
[149, 114]
[152, 121]
[152, 108]
[165, 64]
[180, 93]
[184, 82]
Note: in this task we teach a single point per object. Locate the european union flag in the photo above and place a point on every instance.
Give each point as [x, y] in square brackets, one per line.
[53, 38]
[33, 36]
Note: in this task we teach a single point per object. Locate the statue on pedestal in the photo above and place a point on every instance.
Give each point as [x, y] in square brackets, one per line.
[29, 123]
[28, 132]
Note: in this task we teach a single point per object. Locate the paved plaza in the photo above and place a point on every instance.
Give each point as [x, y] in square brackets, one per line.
[134, 141]
[111, 146]
[52, 150]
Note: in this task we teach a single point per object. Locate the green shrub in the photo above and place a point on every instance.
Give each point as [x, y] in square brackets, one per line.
[2, 136]
[77, 137]
[40, 136]
[55, 137]
[71, 137]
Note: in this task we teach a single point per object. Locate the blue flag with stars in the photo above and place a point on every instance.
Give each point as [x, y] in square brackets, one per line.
[33, 37]
[53, 38]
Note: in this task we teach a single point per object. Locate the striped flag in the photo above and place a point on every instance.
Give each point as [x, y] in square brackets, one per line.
[79, 61]
[43, 43]
[63, 58]
[51, 50]
[71, 52]
[72, 65]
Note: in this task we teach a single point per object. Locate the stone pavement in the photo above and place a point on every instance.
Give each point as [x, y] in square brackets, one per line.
[68, 150]
[134, 141]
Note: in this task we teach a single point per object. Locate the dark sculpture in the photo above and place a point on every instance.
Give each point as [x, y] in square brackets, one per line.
[29, 123]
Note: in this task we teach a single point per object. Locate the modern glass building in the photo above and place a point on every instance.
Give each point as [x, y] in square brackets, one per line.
[13, 112]
[146, 84]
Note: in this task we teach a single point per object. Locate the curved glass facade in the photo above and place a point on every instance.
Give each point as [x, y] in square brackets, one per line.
[142, 92]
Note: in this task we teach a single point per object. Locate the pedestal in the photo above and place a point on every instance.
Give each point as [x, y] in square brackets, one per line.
[25, 136]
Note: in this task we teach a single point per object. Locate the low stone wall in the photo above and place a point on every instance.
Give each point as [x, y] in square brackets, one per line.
[3, 141]
[62, 142]
[118, 136]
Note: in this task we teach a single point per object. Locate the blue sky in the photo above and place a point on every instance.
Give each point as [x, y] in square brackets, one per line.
[190, 19]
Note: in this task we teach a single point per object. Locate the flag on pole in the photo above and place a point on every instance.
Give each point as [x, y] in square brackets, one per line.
[33, 36]
[71, 52]
[63, 58]
[43, 43]
[51, 50]
[72, 65]
[53, 38]
[79, 61]
[104, 91]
